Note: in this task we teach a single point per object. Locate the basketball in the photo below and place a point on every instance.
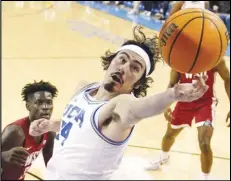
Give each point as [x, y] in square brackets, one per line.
[193, 40]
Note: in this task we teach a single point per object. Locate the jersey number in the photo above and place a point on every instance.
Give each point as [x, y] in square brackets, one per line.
[65, 131]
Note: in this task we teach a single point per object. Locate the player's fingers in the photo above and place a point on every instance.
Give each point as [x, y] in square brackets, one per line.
[203, 80]
[199, 92]
[16, 161]
[37, 122]
[20, 155]
[35, 129]
[22, 151]
[35, 132]
[172, 117]
[20, 158]
[43, 124]
[200, 80]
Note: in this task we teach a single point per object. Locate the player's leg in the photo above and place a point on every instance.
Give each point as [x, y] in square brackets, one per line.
[181, 119]
[205, 133]
[204, 122]
[169, 138]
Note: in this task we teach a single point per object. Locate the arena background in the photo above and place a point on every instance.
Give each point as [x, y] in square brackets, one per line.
[62, 42]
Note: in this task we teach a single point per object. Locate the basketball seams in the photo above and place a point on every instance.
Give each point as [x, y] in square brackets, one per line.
[199, 46]
[189, 13]
[197, 55]
[207, 17]
[174, 41]
[221, 46]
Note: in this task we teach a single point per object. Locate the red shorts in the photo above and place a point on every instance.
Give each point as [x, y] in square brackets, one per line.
[185, 112]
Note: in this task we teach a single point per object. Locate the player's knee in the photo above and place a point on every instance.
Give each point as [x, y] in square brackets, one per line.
[205, 146]
[169, 137]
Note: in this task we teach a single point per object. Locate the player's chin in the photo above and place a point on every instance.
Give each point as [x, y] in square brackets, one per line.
[112, 86]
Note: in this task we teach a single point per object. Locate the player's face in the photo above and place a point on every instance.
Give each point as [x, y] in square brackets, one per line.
[125, 70]
[40, 105]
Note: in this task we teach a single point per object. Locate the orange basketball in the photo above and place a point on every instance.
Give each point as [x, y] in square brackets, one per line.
[193, 40]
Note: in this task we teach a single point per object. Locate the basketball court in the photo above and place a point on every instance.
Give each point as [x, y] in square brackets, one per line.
[62, 43]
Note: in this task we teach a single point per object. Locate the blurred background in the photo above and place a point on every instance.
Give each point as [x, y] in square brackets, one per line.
[62, 42]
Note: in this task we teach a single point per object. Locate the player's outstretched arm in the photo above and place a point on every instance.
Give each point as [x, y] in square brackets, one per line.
[41, 126]
[131, 110]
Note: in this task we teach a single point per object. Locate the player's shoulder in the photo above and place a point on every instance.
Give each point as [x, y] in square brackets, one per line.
[81, 84]
[14, 130]
[16, 127]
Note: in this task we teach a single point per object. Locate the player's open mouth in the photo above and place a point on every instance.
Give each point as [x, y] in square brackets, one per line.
[117, 78]
[45, 115]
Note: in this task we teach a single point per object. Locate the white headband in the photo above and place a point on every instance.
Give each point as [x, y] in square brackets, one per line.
[140, 52]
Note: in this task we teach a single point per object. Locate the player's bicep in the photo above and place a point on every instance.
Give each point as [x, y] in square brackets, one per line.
[116, 108]
[12, 136]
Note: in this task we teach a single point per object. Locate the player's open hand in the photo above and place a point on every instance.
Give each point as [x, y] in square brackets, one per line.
[228, 119]
[16, 156]
[188, 92]
[39, 127]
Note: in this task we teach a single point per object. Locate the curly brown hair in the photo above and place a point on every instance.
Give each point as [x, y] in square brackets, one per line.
[150, 46]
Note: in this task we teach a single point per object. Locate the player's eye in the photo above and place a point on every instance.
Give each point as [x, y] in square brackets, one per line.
[123, 60]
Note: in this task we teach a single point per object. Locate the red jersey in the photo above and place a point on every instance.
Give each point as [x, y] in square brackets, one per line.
[210, 94]
[14, 172]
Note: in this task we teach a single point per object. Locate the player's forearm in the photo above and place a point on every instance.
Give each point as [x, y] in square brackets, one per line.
[152, 105]
[55, 125]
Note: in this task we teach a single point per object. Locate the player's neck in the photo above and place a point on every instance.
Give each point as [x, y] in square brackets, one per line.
[103, 95]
